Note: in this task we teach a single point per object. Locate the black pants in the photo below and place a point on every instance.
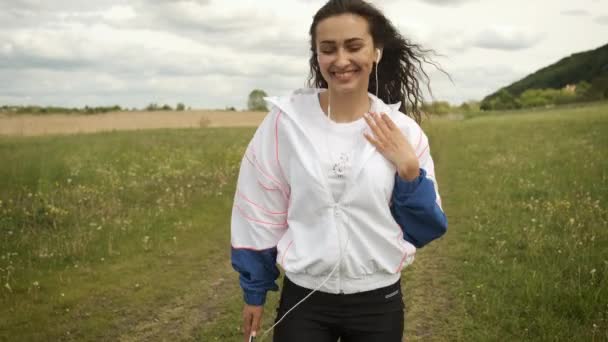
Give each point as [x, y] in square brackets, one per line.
[369, 316]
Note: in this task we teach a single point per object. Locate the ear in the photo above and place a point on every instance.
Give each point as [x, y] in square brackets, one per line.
[378, 55]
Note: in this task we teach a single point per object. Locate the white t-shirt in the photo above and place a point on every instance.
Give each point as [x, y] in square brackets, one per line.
[340, 144]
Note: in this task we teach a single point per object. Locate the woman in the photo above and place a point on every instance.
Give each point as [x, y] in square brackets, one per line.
[338, 187]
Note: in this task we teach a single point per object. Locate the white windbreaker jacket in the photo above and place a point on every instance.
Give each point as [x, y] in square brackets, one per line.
[284, 212]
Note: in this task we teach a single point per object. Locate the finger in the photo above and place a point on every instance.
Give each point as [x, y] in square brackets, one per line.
[381, 123]
[373, 141]
[372, 123]
[370, 138]
[389, 122]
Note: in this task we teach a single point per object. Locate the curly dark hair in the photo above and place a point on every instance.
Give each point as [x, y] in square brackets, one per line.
[400, 71]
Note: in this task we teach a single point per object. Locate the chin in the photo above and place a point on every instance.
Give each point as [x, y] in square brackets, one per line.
[346, 88]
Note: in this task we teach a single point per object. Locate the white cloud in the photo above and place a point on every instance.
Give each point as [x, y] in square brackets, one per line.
[603, 20]
[575, 12]
[119, 13]
[506, 38]
[212, 53]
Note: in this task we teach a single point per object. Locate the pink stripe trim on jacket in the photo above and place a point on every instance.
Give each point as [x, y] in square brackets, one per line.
[259, 206]
[251, 219]
[285, 253]
[405, 255]
[259, 168]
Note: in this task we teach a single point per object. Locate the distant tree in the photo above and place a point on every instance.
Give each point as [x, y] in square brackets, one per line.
[582, 88]
[166, 107]
[180, 107]
[599, 88]
[152, 107]
[535, 98]
[256, 100]
[469, 106]
[230, 109]
[437, 107]
[502, 101]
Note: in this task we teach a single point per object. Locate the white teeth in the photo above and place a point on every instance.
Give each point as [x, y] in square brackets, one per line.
[343, 75]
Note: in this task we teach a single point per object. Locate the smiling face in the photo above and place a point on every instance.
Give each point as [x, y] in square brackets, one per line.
[345, 52]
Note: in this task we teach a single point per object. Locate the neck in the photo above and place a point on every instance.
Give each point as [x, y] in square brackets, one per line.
[345, 107]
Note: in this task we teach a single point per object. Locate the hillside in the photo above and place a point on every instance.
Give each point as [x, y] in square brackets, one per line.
[588, 66]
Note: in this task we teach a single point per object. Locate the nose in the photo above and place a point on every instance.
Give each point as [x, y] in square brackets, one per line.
[342, 58]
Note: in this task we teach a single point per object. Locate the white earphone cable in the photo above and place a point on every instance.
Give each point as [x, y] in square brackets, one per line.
[376, 79]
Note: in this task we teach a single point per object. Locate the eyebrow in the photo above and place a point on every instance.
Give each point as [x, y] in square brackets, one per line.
[350, 40]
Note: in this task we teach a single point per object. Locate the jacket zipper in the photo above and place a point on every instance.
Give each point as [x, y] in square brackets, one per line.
[338, 221]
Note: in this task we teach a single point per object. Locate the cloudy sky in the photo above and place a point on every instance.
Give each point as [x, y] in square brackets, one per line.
[212, 53]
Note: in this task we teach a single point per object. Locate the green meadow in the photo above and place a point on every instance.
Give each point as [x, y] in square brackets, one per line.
[125, 235]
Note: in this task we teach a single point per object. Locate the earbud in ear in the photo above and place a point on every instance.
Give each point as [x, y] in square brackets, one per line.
[379, 53]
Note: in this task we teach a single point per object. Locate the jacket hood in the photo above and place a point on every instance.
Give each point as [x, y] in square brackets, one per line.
[286, 102]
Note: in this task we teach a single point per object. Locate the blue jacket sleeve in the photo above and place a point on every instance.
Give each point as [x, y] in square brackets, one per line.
[257, 273]
[415, 209]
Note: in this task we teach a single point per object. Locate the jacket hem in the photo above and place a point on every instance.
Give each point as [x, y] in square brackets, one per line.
[349, 285]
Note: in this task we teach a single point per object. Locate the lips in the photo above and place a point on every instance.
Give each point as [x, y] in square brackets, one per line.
[344, 75]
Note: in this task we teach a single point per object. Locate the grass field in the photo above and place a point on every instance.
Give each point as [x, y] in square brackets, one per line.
[125, 235]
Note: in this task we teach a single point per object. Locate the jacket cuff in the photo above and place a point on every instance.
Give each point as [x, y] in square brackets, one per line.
[404, 188]
[254, 298]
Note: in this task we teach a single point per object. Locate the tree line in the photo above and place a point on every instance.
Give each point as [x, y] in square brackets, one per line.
[86, 109]
[583, 91]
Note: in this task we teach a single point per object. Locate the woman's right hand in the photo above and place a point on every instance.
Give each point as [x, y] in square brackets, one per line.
[252, 320]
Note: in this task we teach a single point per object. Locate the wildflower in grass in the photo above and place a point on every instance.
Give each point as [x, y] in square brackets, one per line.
[36, 284]
[146, 241]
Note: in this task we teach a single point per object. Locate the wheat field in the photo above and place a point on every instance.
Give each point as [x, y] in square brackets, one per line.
[33, 125]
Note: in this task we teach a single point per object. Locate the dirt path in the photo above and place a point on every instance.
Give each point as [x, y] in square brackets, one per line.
[181, 319]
